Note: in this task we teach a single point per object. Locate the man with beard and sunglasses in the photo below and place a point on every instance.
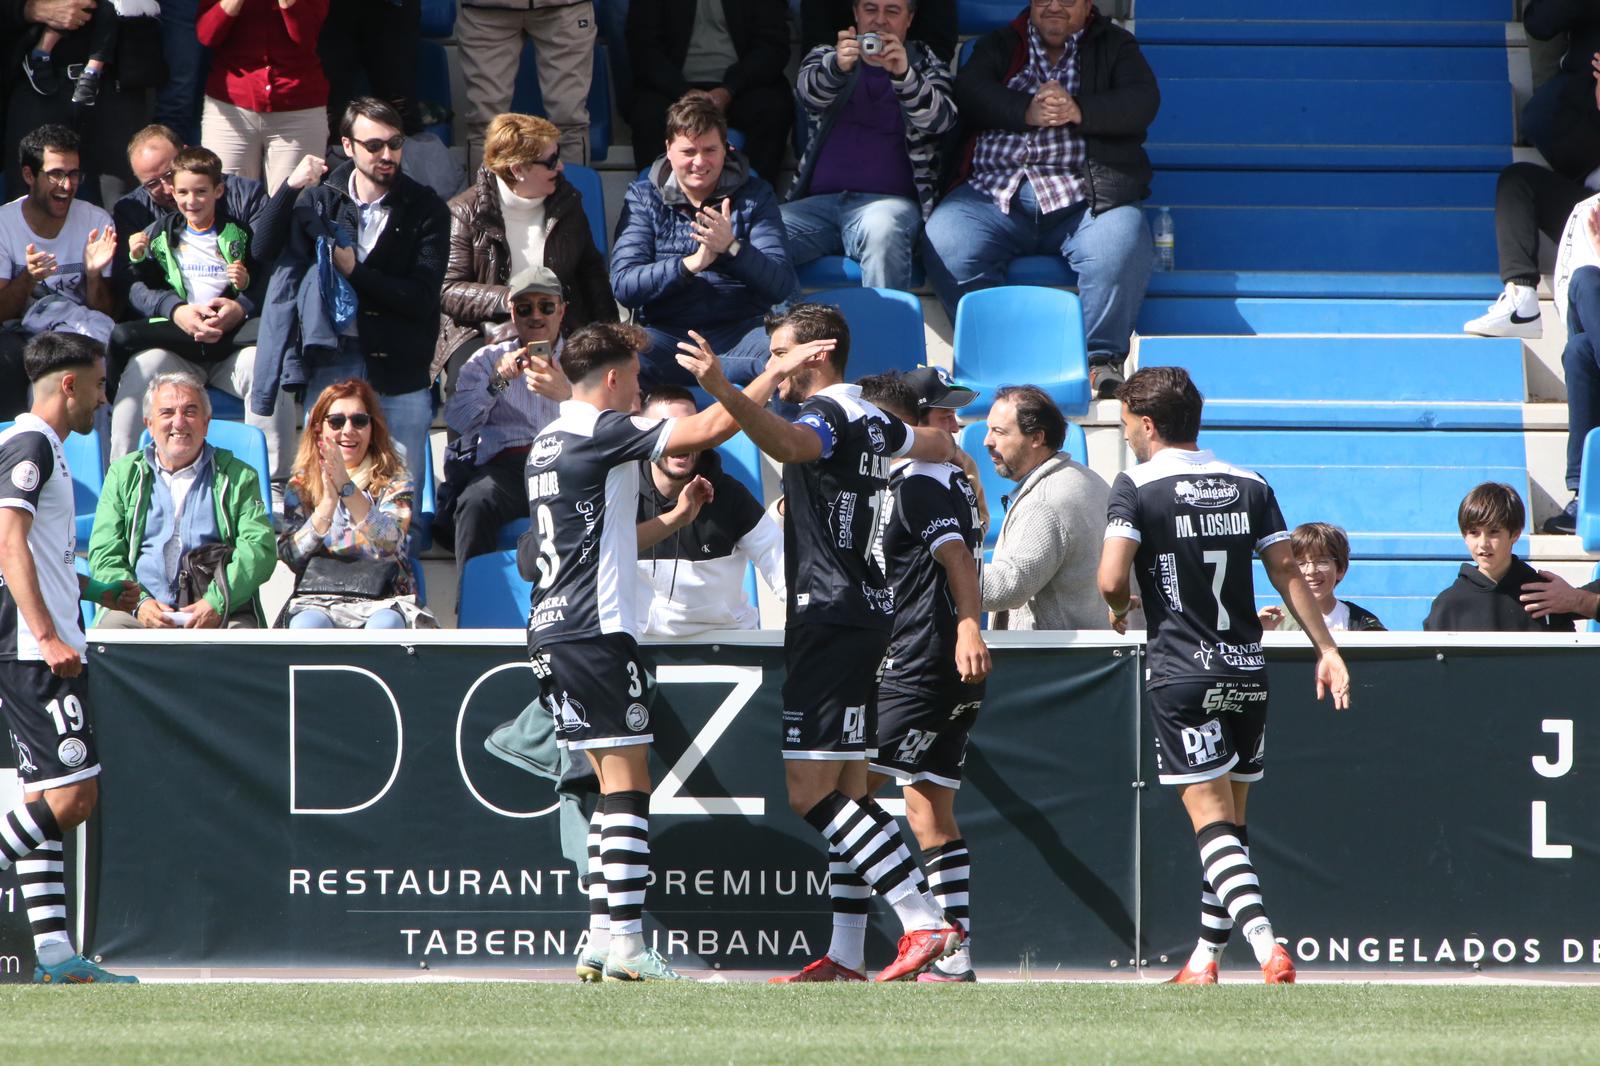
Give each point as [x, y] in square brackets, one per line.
[394, 240]
[506, 393]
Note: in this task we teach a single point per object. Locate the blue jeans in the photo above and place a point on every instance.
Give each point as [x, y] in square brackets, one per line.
[742, 347]
[1582, 365]
[408, 414]
[879, 232]
[970, 243]
[312, 618]
[178, 101]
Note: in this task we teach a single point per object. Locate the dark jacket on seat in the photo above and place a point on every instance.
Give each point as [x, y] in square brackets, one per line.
[658, 42]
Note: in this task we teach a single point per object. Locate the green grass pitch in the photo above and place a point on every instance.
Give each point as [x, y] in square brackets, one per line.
[483, 1023]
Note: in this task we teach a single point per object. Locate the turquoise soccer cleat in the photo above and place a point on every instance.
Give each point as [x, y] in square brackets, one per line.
[79, 971]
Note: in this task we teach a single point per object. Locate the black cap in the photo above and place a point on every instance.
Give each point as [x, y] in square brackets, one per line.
[935, 388]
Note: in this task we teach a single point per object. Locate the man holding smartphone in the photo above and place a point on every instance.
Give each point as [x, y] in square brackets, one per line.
[505, 395]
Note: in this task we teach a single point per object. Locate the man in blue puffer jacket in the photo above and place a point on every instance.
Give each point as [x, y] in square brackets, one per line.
[700, 245]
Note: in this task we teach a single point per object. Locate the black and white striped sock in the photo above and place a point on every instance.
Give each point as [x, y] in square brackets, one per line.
[23, 828]
[593, 883]
[850, 898]
[949, 875]
[625, 857]
[878, 853]
[42, 878]
[884, 820]
[1229, 872]
[1215, 921]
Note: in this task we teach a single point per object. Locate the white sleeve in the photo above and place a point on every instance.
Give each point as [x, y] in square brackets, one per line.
[763, 546]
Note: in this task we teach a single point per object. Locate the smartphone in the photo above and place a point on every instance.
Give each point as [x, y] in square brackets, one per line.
[535, 350]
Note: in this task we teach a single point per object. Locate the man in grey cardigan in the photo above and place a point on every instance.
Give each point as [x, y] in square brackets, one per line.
[1043, 575]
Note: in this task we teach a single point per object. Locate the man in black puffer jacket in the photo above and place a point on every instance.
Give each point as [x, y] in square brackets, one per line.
[1056, 106]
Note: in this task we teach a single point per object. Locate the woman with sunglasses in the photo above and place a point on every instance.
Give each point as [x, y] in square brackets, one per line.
[349, 499]
[520, 212]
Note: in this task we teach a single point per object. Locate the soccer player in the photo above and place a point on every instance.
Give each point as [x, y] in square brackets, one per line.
[835, 472]
[43, 692]
[581, 553]
[932, 683]
[1188, 524]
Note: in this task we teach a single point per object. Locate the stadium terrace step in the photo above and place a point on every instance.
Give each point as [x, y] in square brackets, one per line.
[1342, 31]
[1322, 188]
[1394, 492]
[1350, 382]
[1196, 315]
[1387, 62]
[1371, 11]
[1399, 592]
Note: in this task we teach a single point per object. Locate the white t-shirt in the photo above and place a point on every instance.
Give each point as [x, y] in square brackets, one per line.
[66, 246]
[205, 272]
[1338, 619]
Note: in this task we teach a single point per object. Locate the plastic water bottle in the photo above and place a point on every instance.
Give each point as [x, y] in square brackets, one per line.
[1166, 241]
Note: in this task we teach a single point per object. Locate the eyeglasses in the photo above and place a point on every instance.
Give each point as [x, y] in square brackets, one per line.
[553, 163]
[525, 308]
[376, 145]
[63, 177]
[1064, 5]
[360, 420]
[1321, 566]
[155, 183]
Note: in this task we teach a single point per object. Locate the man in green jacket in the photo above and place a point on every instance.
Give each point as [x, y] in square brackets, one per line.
[173, 496]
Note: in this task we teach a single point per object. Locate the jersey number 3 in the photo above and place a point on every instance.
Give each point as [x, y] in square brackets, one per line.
[549, 562]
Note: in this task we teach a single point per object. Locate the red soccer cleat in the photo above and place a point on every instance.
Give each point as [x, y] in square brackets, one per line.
[920, 949]
[824, 969]
[1279, 969]
[1187, 976]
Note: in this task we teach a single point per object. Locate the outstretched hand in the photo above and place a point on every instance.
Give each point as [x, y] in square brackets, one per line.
[699, 360]
[1333, 678]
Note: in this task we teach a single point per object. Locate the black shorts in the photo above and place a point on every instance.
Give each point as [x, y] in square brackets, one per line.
[599, 691]
[1205, 729]
[924, 737]
[829, 691]
[52, 736]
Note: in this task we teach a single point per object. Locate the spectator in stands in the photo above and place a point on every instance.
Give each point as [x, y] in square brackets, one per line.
[934, 27]
[395, 269]
[505, 394]
[699, 529]
[1322, 552]
[104, 36]
[376, 41]
[1486, 596]
[700, 245]
[199, 286]
[870, 171]
[1043, 572]
[150, 156]
[266, 97]
[55, 258]
[348, 519]
[1058, 104]
[1576, 284]
[120, 108]
[491, 33]
[735, 50]
[521, 213]
[180, 506]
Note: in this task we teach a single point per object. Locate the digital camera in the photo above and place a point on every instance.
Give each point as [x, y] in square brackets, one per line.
[871, 44]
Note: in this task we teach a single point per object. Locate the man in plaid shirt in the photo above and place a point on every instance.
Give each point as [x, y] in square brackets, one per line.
[1057, 105]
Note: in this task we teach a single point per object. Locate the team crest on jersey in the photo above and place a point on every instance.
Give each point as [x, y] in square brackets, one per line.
[25, 475]
[637, 717]
[569, 713]
[72, 752]
[1206, 492]
[544, 451]
[875, 435]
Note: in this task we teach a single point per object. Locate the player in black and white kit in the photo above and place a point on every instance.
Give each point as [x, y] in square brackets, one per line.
[43, 695]
[581, 553]
[1189, 525]
[932, 682]
[836, 471]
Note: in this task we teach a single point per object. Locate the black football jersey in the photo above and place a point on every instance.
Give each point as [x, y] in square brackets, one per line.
[34, 478]
[934, 504]
[581, 550]
[1198, 522]
[834, 508]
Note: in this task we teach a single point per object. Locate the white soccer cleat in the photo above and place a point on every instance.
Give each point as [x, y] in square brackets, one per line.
[1514, 314]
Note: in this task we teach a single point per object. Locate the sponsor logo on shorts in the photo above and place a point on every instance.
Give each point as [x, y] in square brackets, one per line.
[25, 475]
[637, 717]
[855, 725]
[1224, 699]
[792, 735]
[1202, 745]
[544, 451]
[569, 713]
[72, 752]
[1206, 492]
[962, 708]
[915, 746]
[25, 764]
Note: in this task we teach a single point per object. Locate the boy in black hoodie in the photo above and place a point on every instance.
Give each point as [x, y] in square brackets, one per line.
[1486, 596]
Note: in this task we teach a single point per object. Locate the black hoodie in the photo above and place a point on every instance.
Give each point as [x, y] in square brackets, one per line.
[1474, 604]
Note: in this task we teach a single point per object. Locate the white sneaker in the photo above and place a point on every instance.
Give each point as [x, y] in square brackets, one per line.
[1514, 314]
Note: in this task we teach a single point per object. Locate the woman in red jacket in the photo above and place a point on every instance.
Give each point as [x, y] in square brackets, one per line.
[266, 96]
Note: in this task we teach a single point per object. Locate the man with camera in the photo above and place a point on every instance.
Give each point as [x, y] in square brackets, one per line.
[505, 395]
[877, 105]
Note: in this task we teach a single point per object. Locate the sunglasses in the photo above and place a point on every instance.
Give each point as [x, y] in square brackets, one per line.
[549, 164]
[525, 308]
[360, 421]
[376, 145]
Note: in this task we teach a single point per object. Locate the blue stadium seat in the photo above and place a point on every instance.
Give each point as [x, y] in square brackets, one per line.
[1211, 314]
[433, 84]
[995, 487]
[837, 271]
[1377, 11]
[528, 99]
[1588, 493]
[438, 18]
[587, 181]
[493, 594]
[225, 405]
[426, 505]
[247, 443]
[742, 459]
[1395, 493]
[1020, 335]
[885, 329]
[1173, 52]
[977, 17]
[1474, 35]
[86, 460]
[1350, 382]
[1399, 591]
[1594, 623]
